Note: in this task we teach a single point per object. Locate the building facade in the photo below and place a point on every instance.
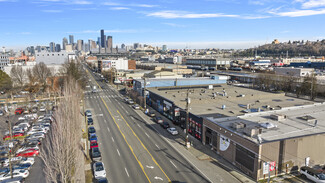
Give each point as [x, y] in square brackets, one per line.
[4, 60]
[54, 58]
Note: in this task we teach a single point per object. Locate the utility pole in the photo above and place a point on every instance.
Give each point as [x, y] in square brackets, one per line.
[144, 94]
[187, 116]
[10, 143]
[116, 78]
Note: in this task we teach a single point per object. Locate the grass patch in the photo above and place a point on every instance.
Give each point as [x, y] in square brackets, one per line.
[89, 176]
[84, 135]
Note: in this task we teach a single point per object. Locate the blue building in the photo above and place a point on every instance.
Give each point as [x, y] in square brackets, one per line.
[138, 84]
[315, 65]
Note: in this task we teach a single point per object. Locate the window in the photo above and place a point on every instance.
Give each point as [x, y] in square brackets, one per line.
[245, 157]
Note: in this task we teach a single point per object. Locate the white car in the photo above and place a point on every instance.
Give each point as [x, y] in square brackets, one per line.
[312, 174]
[15, 173]
[136, 106]
[99, 170]
[36, 135]
[172, 131]
[42, 109]
[19, 159]
[40, 130]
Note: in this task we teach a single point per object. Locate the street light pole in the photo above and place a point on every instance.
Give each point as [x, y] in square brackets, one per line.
[144, 94]
[187, 116]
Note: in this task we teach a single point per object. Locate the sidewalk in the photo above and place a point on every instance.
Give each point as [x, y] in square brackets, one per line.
[207, 162]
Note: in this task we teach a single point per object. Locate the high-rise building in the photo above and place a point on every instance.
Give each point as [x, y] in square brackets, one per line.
[98, 41]
[79, 45]
[71, 41]
[52, 47]
[4, 60]
[102, 39]
[38, 48]
[64, 42]
[136, 45]
[109, 44]
[123, 46]
[164, 48]
[57, 48]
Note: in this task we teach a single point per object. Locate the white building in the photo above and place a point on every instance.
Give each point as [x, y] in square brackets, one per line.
[289, 60]
[291, 71]
[119, 64]
[54, 57]
[4, 60]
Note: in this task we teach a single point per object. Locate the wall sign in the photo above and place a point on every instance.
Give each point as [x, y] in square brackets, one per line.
[224, 143]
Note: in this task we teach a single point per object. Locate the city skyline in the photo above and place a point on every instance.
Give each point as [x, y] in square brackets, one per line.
[216, 23]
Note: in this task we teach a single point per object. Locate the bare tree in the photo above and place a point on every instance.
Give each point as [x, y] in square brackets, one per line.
[41, 72]
[18, 74]
[61, 152]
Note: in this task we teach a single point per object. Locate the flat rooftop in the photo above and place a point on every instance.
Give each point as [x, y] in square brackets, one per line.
[227, 100]
[299, 121]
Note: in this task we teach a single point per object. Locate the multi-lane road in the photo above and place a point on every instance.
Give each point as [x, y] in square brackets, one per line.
[131, 150]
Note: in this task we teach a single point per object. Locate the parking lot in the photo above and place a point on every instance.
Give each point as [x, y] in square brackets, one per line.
[29, 123]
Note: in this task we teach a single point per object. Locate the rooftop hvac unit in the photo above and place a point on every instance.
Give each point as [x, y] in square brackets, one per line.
[238, 125]
[278, 117]
[252, 131]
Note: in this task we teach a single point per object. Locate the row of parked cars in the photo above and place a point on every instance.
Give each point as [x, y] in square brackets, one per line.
[24, 144]
[157, 119]
[98, 166]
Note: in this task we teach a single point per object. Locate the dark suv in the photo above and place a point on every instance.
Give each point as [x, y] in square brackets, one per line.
[90, 121]
[95, 154]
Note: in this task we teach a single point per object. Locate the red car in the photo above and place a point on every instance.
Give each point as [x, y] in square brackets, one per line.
[19, 110]
[93, 144]
[28, 153]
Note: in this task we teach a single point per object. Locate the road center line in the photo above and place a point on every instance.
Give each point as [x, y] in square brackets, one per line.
[113, 139]
[139, 125]
[157, 146]
[127, 173]
[173, 163]
[108, 129]
[118, 152]
[147, 134]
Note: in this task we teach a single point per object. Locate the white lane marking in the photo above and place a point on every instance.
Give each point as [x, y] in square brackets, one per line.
[122, 107]
[132, 117]
[108, 129]
[139, 126]
[118, 152]
[158, 178]
[105, 121]
[127, 173]
[173, 163]
[147, 134]
[126, 112]
[151, 167]
[113, 139]
[157, 146]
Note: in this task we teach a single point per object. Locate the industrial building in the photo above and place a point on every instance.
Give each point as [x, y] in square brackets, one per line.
[291, 71]
[247, 127]
[211, 63]
[55, 57]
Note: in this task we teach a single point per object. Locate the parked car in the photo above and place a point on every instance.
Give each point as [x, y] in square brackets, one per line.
[130, 101]
[151, 114]
[25, 166]
[1, 113]
[136, 106]
[93, 137]
[19, 111]
[96, 154]
[99, 170]
[315, 175]
[164, 124]
[42, 109]
[172, 131]
[34, 109]
[90, 121]
[88, 113]
[91, 130]
[93, 144]
[158, 119]
[102, 180]
[26, 147]
[18, 179]
[28, 153]
[15, 173]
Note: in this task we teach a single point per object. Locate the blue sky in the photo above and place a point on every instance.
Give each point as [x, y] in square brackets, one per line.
[177, 23]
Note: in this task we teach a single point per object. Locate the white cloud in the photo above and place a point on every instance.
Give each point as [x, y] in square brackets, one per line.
[81, 2]
[83, 9]
[256, 2]
[144, 5]
[52, 11]
[313, 4]
[183, 14]
[119, 8]
[173, 24]
[299, 13]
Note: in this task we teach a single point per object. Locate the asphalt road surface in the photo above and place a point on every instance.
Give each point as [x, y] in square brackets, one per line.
[132, 151]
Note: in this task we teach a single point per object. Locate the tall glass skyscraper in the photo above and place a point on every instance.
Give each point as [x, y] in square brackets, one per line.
[71, 41]
[102, 39]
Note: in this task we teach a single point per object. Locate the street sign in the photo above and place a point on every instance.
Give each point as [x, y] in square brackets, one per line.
[266, 167]
[272, 166]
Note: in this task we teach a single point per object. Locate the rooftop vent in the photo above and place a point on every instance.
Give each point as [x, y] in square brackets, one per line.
[308, 118]
[268, 125]
[238, 125]
[252, 131]
[278, 117]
